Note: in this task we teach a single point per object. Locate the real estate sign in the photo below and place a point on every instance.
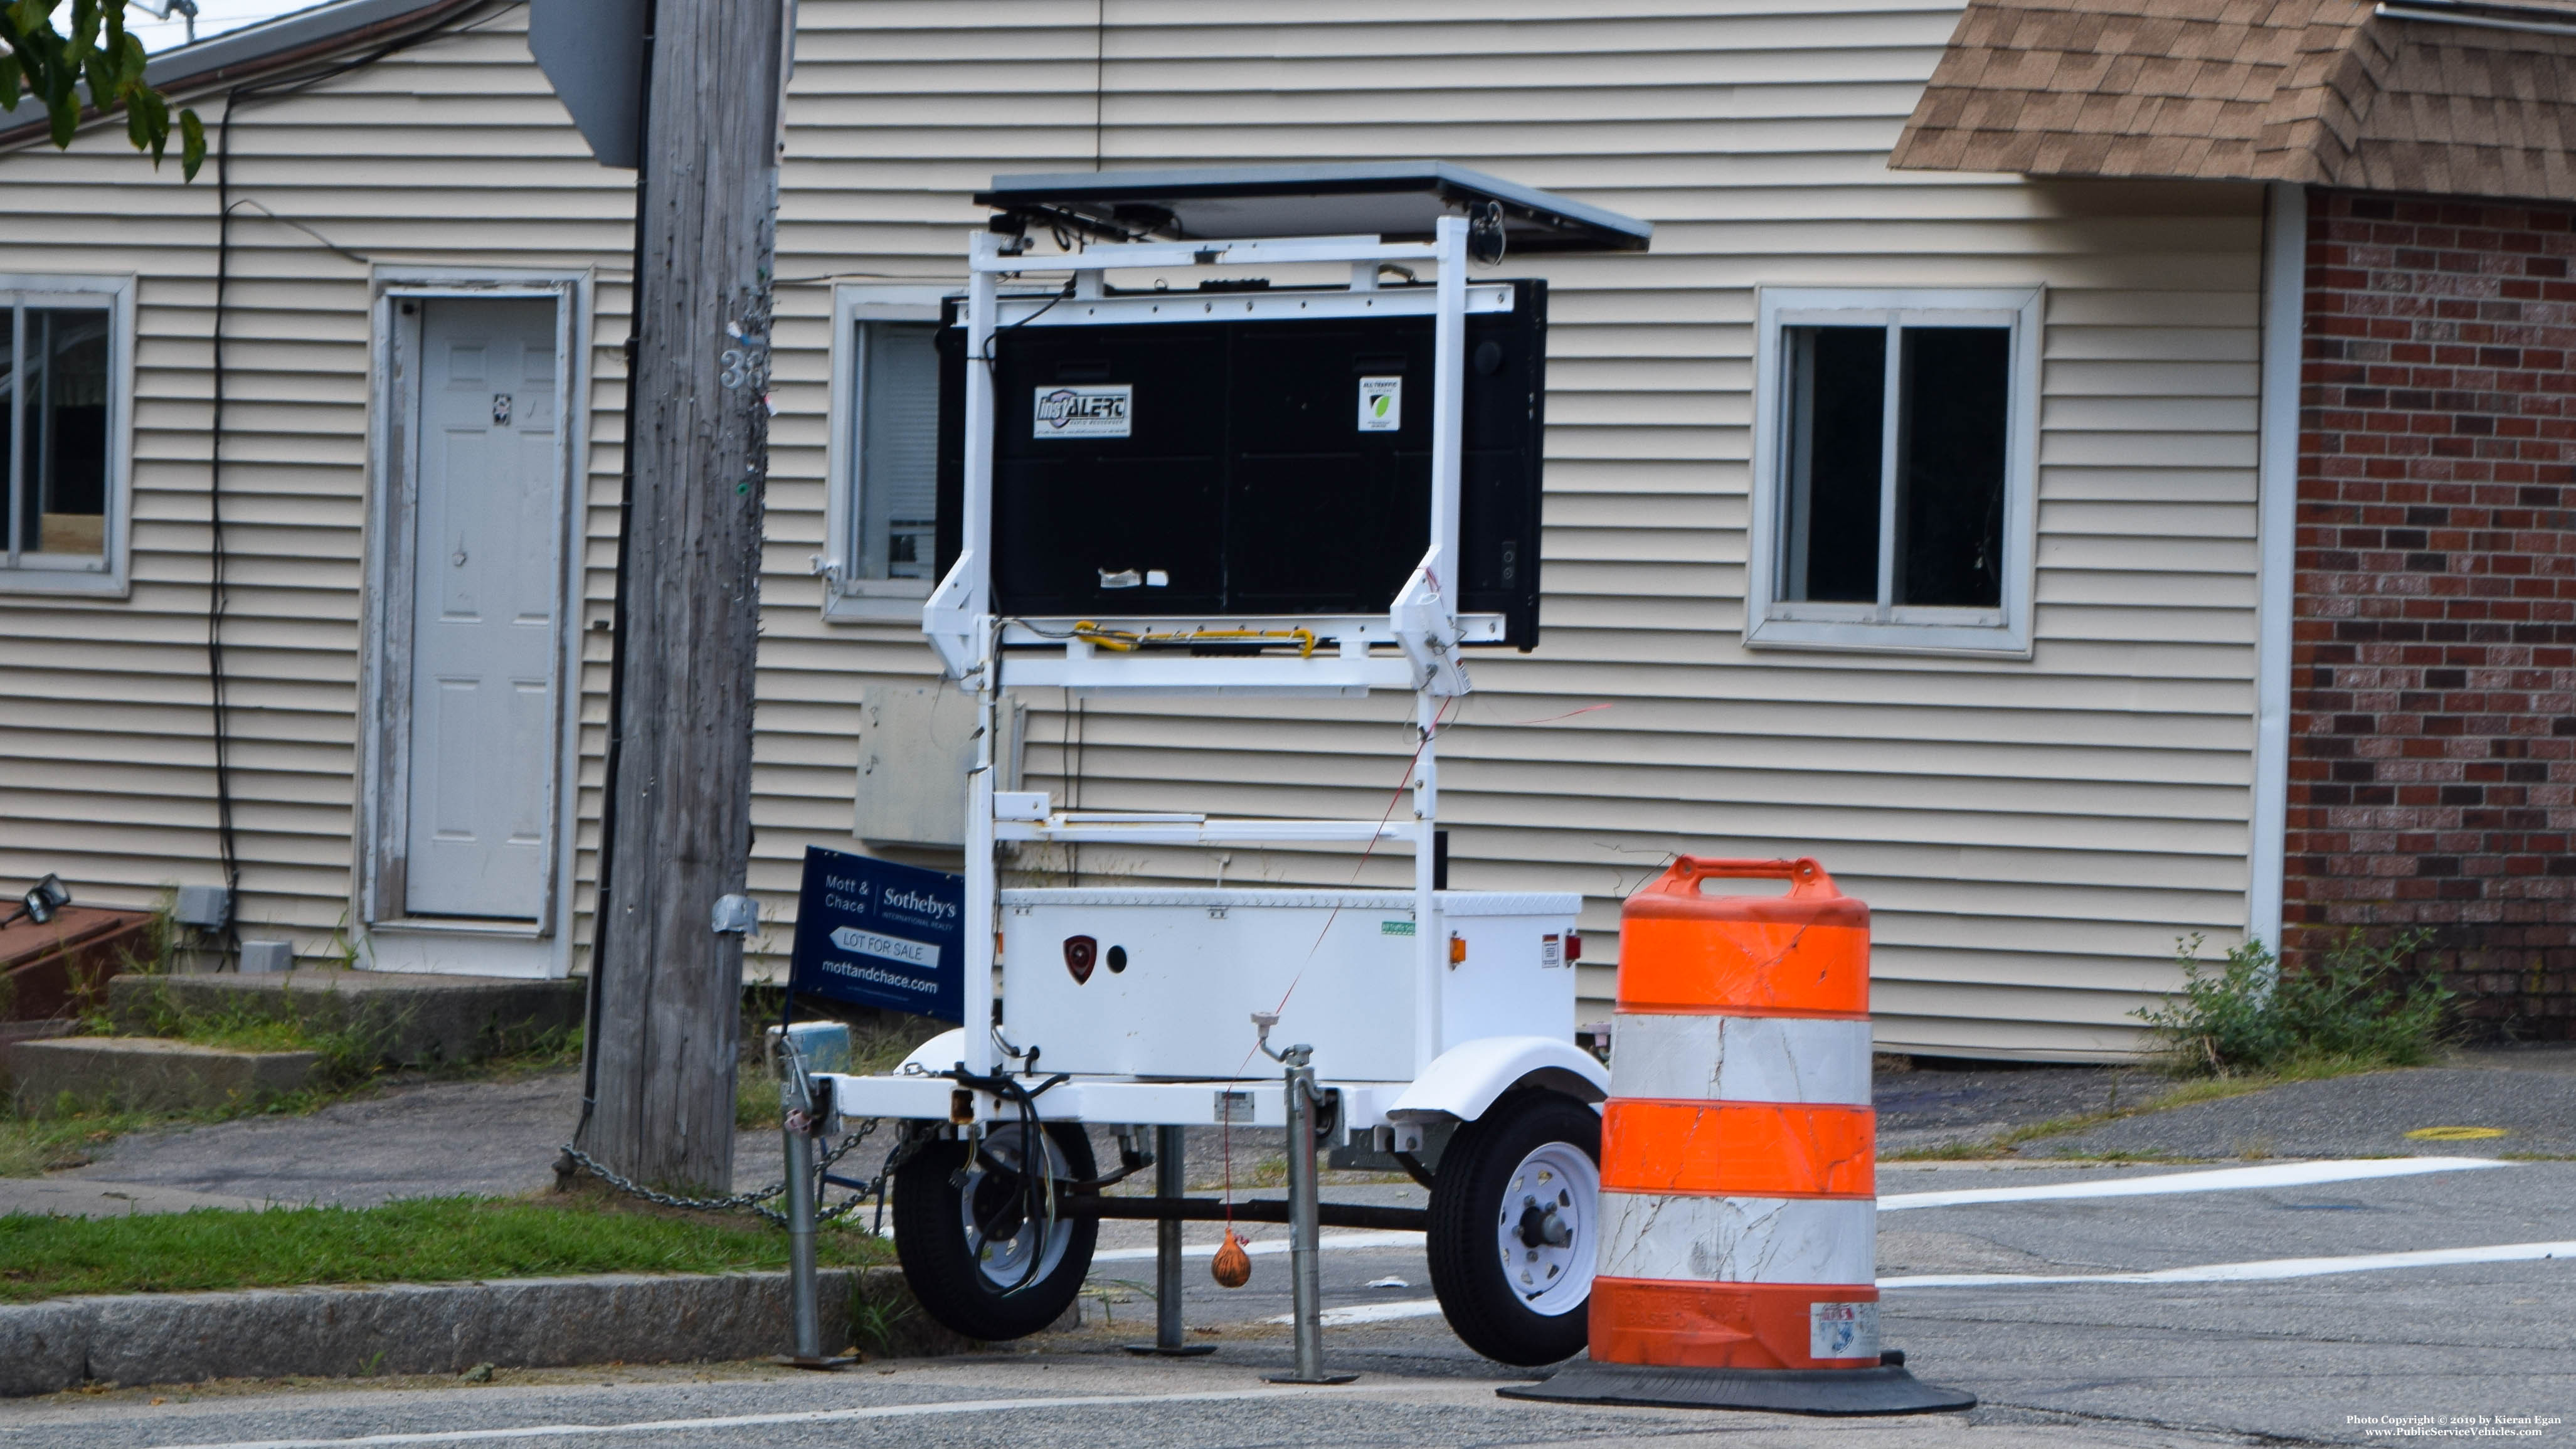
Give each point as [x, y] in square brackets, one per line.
[875, 933]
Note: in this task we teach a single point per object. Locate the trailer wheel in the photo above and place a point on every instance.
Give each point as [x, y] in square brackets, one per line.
[965, 1241]
[1514, 1211]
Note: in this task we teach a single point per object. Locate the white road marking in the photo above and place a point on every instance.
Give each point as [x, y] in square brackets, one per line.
[2267, 1270]
[1371, 1312]
[1329, 1242]
[2256, 1272]
[2226, 1179]
[810, 1416]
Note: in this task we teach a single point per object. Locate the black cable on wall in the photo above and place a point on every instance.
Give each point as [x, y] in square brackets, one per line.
[218, 592]
[218, 597]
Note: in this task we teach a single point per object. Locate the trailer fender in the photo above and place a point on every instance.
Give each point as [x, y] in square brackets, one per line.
[936, 1055]
[1465, 1080]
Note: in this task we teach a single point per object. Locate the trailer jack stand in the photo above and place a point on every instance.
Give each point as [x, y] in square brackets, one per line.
[1305, 1257]
[1171, 1182]
[802, 1188]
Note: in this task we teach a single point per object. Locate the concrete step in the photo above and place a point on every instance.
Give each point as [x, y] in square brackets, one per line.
[423, 1020]
[146, 1073]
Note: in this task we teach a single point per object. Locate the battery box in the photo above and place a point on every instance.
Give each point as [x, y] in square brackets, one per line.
[1163, 982]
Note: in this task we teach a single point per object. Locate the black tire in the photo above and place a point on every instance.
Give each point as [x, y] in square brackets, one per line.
[947, 1270]
[1478, 1213]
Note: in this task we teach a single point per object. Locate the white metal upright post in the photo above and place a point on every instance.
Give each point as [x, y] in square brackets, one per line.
[1431, 946]
[983, 897]
[982, 317]
[1448, 434]
[1448, 404]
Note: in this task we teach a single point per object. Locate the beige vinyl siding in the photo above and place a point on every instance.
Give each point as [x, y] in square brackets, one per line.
[451, 153]
[2031, 835]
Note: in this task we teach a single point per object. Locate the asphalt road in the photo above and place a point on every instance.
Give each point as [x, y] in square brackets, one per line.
[2297, 1348]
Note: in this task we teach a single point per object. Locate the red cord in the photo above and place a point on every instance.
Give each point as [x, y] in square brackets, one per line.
[1225, 1129]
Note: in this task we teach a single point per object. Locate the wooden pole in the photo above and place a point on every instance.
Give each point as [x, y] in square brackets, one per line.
[669, 987]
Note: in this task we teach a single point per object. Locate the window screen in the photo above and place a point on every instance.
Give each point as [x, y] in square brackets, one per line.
[54, 432]
[1930, 470]
[898, 451]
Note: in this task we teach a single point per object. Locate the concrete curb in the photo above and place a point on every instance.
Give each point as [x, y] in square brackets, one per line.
[411, 1328]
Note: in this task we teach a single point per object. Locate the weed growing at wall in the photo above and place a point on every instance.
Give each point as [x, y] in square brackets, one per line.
[2352, 1008]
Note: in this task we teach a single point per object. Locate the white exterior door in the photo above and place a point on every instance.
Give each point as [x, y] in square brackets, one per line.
[483, 746]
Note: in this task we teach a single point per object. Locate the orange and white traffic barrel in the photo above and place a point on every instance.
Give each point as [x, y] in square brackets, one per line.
[1737, 1253]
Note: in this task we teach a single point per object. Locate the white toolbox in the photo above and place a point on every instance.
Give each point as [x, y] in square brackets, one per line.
[1163, 983]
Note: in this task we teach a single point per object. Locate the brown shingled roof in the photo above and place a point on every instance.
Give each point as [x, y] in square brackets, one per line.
[2330, 92]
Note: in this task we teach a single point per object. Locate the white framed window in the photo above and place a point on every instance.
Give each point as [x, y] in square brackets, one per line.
[1894, 456]
[66, 434]
[881, 512]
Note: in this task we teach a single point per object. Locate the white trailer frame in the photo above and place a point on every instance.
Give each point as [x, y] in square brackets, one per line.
[963, 1079]
[1423, 622]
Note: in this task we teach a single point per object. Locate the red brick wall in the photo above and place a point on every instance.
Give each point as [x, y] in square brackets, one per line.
[2433, 686]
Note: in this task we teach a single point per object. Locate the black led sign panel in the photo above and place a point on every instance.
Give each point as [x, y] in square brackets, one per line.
[1255, 467]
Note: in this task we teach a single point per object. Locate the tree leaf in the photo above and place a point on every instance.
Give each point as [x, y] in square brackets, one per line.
[154, 114]
[33, 16]
[94, 52]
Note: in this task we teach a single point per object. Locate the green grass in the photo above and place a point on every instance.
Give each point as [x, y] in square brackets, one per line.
[875, 1046]
[530, 1052]
[37, 1142]
[1946, 1152]
[755, 1097]
[431, 1240]
[32, 1146]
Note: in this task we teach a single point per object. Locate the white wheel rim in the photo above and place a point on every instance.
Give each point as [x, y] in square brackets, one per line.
[1004, 1260]
[1559, 1185]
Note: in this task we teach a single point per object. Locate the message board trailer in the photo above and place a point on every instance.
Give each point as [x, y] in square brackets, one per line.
[1311, 472]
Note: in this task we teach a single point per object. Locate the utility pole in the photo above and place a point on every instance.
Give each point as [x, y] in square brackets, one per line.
[677, 831]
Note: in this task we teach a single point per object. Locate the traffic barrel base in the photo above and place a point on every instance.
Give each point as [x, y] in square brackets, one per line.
[1834, 1393]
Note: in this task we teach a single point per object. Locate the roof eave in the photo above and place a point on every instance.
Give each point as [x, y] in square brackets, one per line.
[274, 48]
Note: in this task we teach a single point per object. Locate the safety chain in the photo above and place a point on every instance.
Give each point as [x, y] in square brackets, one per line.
[875, 1186]
[743, 1200]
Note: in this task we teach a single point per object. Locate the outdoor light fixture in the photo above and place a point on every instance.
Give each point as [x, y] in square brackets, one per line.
[41, 901]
